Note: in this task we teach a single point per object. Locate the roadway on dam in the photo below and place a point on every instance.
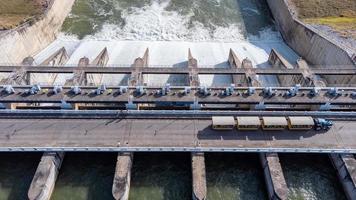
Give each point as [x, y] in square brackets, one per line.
[164, 134]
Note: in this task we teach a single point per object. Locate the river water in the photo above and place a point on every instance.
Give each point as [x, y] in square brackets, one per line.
[183, 20]
[167, 176]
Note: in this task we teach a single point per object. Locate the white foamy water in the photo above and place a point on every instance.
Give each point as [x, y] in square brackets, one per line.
[168, 34]
[154, 23]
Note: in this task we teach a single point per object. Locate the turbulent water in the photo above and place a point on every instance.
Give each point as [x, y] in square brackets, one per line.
[310, 177]
[152, 20]
[209, 28]
[160, 177]
[167, 176]
[16, 173]
[85, 176]
[234, 176]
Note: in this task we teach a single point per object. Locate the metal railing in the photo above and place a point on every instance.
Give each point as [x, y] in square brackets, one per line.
[177, 149]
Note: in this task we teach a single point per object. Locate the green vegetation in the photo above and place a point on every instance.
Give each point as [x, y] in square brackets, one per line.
[16, 12]
[346, 26]
[340, 15]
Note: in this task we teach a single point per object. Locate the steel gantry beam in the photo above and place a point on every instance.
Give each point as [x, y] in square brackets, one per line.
[239, 95]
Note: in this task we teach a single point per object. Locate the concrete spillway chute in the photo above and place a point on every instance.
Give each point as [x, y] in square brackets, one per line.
[279, 62]
[136, 73]
[60, 57]
[79, 77]
[252, 79]
[100, 61]
[236, 63]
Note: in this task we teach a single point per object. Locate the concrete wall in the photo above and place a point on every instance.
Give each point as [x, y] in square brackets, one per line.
[306, 41]
[29, 40]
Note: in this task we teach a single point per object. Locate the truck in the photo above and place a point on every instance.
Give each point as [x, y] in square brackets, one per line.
[322, 124]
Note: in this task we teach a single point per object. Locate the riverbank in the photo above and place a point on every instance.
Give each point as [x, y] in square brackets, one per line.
[16, 12]
[30, 38]
[336, 19]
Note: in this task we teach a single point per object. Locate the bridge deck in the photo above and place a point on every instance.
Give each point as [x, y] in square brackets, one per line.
[165, 133]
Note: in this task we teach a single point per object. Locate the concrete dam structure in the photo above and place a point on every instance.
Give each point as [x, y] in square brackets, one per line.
[61, 95]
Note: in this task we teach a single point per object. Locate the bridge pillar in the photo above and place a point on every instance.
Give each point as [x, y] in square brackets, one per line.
[199, 176]
[235, 62]
[43, 182]
[273, 173]
[100, 61]
[346, 170]
[279, 62]
[122, 179]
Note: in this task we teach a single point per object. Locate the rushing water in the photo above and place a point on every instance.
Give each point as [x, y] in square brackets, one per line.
[209, 28]
[311, 177]
[167, 176]
[188, 20]
[16, 173]
[234, 176]
[160, 177]
[85, 176]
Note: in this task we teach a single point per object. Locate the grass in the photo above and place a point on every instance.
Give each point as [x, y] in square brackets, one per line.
[16, 12]
[340, 15]
[346, 26]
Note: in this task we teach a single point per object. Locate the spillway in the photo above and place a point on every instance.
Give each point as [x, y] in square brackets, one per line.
[168, 29]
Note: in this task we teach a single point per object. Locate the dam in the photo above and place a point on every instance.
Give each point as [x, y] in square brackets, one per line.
[113, 99]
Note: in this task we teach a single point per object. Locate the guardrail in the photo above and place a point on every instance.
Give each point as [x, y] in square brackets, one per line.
[189, 95]
[175, 149]
[159, 114]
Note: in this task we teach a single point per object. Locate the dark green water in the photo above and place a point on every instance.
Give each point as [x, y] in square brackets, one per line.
[85, 176]
[234, 176]
[311, 177]
[163, 176]
[197, 20]
[16, 172]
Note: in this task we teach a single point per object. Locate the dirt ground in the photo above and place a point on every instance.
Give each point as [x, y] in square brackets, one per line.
[16, 12]
[337, 15]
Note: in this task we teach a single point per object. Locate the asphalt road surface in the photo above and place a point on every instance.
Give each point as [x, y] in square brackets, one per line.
[163, 133]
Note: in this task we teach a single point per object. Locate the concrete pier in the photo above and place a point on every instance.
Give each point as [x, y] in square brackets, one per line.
[346, 171]
[235, 62]
[199, 176]
[275, 181]
[193, 66]
[43, 182]
[279, 62]
[101, 61]
[137, 78]
[121, 185]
